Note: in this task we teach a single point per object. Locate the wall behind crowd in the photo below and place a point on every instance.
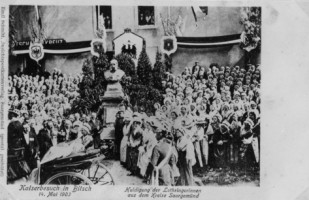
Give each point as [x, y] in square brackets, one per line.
[76, 23]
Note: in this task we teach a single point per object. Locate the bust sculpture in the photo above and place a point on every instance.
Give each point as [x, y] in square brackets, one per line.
[113, 77]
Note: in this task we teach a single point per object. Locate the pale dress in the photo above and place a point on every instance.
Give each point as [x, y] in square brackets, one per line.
[145, 151]
[124, 143]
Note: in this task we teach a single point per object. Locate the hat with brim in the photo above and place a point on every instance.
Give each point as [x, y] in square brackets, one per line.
[14, 111]
[189, 123]
[200, 121]
[178, 126]
[151, 121]
[226, 124]
[218, 116]
[236, 94]
[137, 119]
[250, 122]
[167, 100]
[252, 103]
[180, 94]
[86, 127]
[24, 112]
[135, 114]
[176, 112]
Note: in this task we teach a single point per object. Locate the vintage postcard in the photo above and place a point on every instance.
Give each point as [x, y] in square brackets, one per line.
[150, 100]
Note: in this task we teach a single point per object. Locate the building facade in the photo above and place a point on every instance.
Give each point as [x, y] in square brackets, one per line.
[79, 23]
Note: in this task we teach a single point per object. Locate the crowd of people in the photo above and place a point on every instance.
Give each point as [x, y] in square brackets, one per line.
[209, 120]
[40, 118]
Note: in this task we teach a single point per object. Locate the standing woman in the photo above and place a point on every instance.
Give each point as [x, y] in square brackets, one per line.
[197, 140]
[125, 139]
[158, 109]
[186, 157]
[118, 133]
[149, 140]
[234, 141]
[220, 140]
[247, 157]
[135, 141]
[208, 132]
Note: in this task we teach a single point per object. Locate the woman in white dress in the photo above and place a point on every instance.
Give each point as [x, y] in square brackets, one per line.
[149, 141]
[124, 141]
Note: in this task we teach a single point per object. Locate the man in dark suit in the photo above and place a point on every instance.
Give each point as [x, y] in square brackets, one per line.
[31, 146]
[95, 125]
[46, 138]
[15, 131]
[65, 131]
[18, 166]
[118, 133]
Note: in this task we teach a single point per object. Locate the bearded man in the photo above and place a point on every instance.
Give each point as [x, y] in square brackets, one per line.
[113, 77]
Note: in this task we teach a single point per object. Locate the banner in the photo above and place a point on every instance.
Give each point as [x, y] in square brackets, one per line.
[208, 42]
[58, 47]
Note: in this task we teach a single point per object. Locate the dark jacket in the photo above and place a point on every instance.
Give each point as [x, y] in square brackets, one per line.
[15, 135]
[119, 130]
[45, 141]
[160, 152]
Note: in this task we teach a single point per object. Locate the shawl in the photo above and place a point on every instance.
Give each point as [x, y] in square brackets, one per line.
[185, 144]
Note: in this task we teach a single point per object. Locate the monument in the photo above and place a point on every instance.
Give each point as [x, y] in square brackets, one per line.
[112, 99]
[113, 77]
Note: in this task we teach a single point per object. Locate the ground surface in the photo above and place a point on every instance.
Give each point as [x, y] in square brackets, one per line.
[206, 178]
[201, 178]
[120, 174]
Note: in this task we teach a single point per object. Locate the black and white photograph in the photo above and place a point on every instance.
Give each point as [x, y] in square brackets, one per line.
[95, 100]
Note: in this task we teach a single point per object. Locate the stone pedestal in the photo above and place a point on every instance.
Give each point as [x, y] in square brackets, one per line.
[112, 98]
[113, 92]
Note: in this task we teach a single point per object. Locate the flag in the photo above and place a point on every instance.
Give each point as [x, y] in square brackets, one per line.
[199, 9]
[38, 17]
